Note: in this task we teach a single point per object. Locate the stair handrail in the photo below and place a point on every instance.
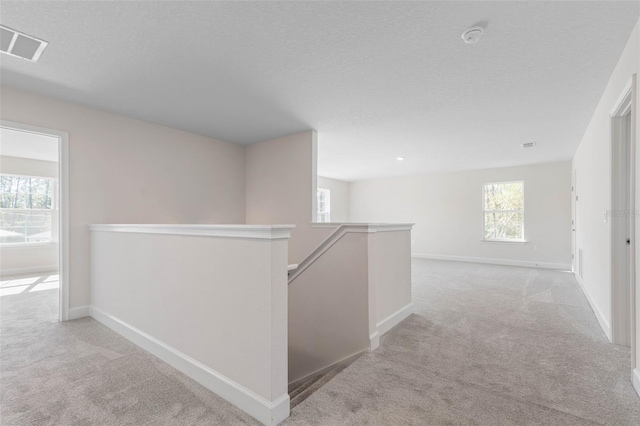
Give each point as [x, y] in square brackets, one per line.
[333, 238]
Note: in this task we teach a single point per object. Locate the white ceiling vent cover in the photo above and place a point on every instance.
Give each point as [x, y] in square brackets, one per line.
[473, 35]
[21, 45]
[528, 144]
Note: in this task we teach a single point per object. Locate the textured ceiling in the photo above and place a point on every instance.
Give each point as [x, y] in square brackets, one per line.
[375, 79]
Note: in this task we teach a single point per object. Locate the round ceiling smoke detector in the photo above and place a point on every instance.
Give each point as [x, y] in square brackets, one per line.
[472, 35]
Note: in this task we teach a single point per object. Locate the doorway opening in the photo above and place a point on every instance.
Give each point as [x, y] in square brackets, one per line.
[34, 221]
[575, 258]
[622, 219]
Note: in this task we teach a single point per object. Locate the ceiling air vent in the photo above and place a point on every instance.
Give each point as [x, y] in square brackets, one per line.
[528, 144]
[473, 34]
[20, 45]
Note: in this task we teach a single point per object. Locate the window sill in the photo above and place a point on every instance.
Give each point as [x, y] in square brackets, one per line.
[504, 241]
[26, 245]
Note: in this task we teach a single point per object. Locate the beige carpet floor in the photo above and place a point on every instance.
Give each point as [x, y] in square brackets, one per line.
[488, 345]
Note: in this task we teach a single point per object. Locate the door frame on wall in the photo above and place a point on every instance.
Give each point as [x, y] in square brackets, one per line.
[622, 217]
[63, 216]
[574, 222]
[620, 221]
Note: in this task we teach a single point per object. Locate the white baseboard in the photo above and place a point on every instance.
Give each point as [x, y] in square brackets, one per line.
[374, 341]
[30, 270]
[269, 413]
[394, 319]
[636, 380]
[507, 262]
[604, 324]
[79, 312]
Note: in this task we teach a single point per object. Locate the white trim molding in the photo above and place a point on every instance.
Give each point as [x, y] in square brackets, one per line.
[30, 270]
[269, 413]
[487, 260]
[63, 220]
[374, 341]
[624, 102]
[485, 240]
[259, 232]
[395, 318]
[325, 224]
[389, 227]
[636, 380]
[604, 324]
[366, 227]
[22, 246]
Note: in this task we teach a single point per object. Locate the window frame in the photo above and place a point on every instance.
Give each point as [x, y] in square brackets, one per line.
[327, 205]
[53, 211]
[522, 240]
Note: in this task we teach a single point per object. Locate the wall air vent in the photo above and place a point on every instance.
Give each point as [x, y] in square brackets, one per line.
[528, 144]
[20, 45]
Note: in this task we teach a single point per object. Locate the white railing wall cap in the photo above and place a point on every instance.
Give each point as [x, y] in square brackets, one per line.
[260, 232]
[365, 227]
[383, 227]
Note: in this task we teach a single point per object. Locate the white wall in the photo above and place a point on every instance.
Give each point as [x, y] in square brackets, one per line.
[592, 163]
[390, 268]
[447, 211]
[339, 197]
[355, 288]
[28, 258]
[28, 167]
[635, 326]
[329, 308]
[129, 171]
[281, 189]
[210, 301]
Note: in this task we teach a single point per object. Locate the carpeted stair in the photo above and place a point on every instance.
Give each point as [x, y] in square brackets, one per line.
[302, 391]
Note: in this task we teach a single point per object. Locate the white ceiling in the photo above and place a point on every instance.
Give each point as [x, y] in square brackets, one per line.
[28, 145]
[376, 79]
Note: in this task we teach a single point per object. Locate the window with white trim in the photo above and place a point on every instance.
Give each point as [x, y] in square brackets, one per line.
[503, 205]
[26, 209]
[324, 205]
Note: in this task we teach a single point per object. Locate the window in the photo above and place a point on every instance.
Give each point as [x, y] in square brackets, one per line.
[504, 211]
[324, 205]
[26, 209]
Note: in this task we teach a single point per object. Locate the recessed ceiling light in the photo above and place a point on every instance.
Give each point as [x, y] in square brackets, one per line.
[400, 158]
[21, 45]
[473, 34]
